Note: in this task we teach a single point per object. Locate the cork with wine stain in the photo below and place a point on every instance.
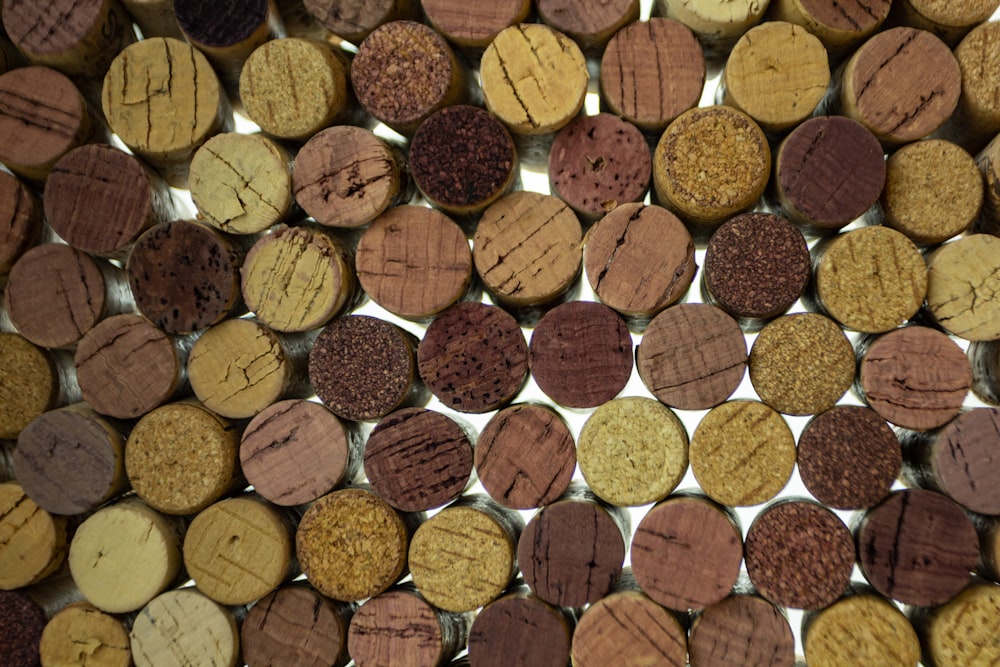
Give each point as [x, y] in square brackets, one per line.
[839, 26]
[22, 621]
[296, 624]
[472, 26]
[521, 629]
[589, 23]
[20, 220]
[353, 20]
[743, 629]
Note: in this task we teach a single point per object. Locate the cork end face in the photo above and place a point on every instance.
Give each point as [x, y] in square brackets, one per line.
[962, 462]
[185, 627]
[474, 24]
[74, 629]
[628, 628]
[30, 385]
[295, 625]
[20, 220]
[842, 633]
[36, 543]
[742, 630]
[857, 17]
[961, 276]
[963, 630]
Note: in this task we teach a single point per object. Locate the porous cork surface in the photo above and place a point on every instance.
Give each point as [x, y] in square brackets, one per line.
[22, 621]
[861, 630]
[29, 386]
[979, 64]
[83, 634]
[630, 628]
[963, 630]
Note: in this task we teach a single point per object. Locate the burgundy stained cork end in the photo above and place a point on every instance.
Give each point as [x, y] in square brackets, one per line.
[20, 220]
[295, 625]
[962, 460]
[22, 621]
[520, 629]
[741, 630]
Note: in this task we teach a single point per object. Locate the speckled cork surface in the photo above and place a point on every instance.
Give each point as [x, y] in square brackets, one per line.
[861, 629]
[962, 631]
[30, 385]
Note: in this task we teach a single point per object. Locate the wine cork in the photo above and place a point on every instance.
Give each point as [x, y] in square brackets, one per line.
[639, 259]
[352, 545]
[10, 56]
[400, 627]
[961, 276]
[125, 555]
[184, 627]
[418, 459]
[988, 162]
[527, 249]
[181, 458]
[917, 547]
[363, 368]
[346, 176]
[849, 457]
[988, 529]
[915, 377]
[296, 625]
[295, 451]
[985, 363]
[950, 21]
[741, 630]
[185, 276]
[297, 279]
[692, 356]
[717, 24]
[239, 550]
[801, 364]
[463, 159]
[414, 261]
[241, 183]
[34, 542]
[22, 621]
[29, 383]
[162, 98]
[354, 20]
[581, 339]
[962, 631]
[521, 630]
[861, 629]
[632, 451]
[839, 26]
[43, 116]
[155, 18]
[590, 23]
[742, 453]
[828, 171]
[933, 191]
[473, 357]
[686, 552]
[83, 634]
[777, 74]
[472, 26]
[710, 164]
[651, 92]
[977, 117]
[20, 220]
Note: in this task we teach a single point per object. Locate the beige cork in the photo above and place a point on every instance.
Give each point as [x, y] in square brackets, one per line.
[527, 248]
[82, 634]
[241, 183]
[534, 79]
[839, 25]
[777, 73]
[184, 627]
[181, 458]
[32, 541]
[801, 364]
[964, 631]
[297, 279]
[124, 555]
[950, 20]
[977, 119]
[962, 279]
[155, 18]
[710, 164]
[28, 383]
[633, 451]
[861, 630]
[239, 550]
[718, 24]
[988, 162]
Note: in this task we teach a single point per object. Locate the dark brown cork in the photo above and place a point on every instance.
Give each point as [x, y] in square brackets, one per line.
[220, 24]
[21, 623]
[20, 220]
[590, 23]
[520, 630]
[296, 625]
[741, 630]
[354, 20]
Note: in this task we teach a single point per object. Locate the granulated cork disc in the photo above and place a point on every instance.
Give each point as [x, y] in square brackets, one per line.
[34, 541]
[29, 386]
[83, 634]
[861, 630]
[964, 631]
[628, 628]
[962, 277]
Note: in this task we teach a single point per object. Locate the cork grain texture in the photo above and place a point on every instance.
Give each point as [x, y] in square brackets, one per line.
[82, 634]
[34, 541]
[862, 629]
[964, 630]
[631, 628]
[962, 282]
[184, 627]
[30, 385]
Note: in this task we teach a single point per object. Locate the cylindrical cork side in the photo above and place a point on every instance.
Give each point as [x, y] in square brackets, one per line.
[590, 23]
[155, 18]
[35, 541]
[718, 25]
[20, 220]
[70, 634]
[296, 625]
[864, 628]
[741, 630]
[185, 627]
[961, 276]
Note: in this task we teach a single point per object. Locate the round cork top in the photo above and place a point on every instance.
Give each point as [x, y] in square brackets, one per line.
[519, 629]
[473, 357]
[353, 20]
[717, 24]
[861, 629]
[632, 451]
[22, 621]
[849, 457]
[124, 555]
[527, 248]
[525, 456]
[963, 462]
[589, 23]
[829, 171]
[858, 17]
[294, 87]
[801, 364]
[418, 459]
[915, 377]
[571, 552]
[474, 24]
[55, 294]
[581, 339]
[345, 176]
[710, 164]
[686, 553]
[126, 366]
[99, 199]
[652, 91]
[184, 276]
[902, 84]
[52, 27]
[399, 627]
[951, 13]
[534, 78]
[777, 73]
[295, 451]
[295, 625]
[628, 628]
[34, 540]
[742, 453]
[241, 183]
[20, 220]
[220, 24]
[933, 191]
[181, 458]
[184, 627]
[962, 631]
[42, 117]
[692, 356]
[741, 630]
[639, 259]
[29, 385]
[917, 547]
[414, 261]
[961, 277]
[83, 634]
[978, 61]
[296, 279]
[351, 545]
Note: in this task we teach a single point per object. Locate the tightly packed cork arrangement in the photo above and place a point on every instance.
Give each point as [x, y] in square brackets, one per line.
[512, 333]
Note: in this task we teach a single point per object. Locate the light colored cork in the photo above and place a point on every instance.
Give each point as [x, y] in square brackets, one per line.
[717, 24]
[950, 20]
[964, 631]
[861, 630]
[28, 383]
[977, 118]
[962, 278]
[184, 627]
[32, 541]
[155, 18]
[988, 161]
[82, 634]
[838, 25]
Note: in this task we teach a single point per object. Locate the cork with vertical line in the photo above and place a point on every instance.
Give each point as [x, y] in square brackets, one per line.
[296, 625]
[590, 23]
[35, 540]
[354, 20]
[860, 629]
[742, 629]
[20, 220]
[83, 633]
[184, 627]
[839, 25]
